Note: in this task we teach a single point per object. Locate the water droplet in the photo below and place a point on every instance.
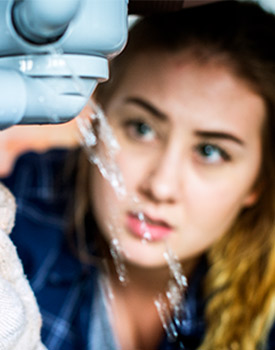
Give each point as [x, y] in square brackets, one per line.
[175, 268]
[147, 237]
[165, 317]
[117, 255]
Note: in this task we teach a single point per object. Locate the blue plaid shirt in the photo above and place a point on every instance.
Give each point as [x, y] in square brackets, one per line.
[64, 287]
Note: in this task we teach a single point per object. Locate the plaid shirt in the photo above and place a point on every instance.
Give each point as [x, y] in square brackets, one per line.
[64, 287]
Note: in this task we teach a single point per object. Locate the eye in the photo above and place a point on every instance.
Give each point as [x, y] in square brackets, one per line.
[212, 154]
[140, 130]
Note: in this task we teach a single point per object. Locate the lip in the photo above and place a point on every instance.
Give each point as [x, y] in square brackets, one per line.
[149, 228]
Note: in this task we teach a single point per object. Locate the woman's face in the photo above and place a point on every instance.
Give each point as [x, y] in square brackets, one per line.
[190, 138]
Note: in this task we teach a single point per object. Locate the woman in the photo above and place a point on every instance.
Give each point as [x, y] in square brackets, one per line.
[191, 102]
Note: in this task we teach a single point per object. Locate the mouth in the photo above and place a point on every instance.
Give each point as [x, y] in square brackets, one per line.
[145, 227]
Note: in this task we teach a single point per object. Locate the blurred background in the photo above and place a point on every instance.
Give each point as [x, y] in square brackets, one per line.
[19, 139]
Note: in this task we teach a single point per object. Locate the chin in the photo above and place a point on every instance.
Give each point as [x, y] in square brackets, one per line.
[145, 254]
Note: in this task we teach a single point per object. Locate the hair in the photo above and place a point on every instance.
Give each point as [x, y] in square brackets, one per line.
[239, 285]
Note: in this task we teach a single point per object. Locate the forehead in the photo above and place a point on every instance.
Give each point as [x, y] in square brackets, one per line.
[189, 91]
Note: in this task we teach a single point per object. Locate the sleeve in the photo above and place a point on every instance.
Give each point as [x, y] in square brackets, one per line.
[41, 213]
[20, 320]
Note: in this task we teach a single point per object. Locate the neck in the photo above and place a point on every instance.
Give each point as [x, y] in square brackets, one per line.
[151, 279]
[129, 302]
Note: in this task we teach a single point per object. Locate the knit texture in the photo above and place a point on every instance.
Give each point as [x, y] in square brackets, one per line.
[20, 320]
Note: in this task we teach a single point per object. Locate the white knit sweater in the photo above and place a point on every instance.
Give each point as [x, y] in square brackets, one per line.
[20, 320]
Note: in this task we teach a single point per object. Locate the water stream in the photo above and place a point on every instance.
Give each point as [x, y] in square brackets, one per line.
[169, 304]
[101, 146]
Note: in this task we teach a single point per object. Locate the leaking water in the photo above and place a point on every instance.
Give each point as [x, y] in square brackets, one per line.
[176, 288]
[175, 268]
[166, 318]
[102, 148]
[95, 130]
[117, 255]
[47, 86]
[146, 235]
[96, 136]
[169, 304]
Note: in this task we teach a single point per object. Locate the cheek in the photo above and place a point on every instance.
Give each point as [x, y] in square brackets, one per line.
[214, 206]
[108, 207]
[104, 200]
[133, 170]
[209, 212]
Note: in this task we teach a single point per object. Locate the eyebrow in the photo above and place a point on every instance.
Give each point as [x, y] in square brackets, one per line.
[219, 135]
[148, 106]
[162, 116]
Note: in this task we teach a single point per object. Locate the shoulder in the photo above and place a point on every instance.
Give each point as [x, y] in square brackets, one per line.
[43, 185]
[42, 191]
[34, 172]
[43, 181]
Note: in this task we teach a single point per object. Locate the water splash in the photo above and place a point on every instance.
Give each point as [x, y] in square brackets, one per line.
[137, 208]
[165, 318]
[175, 268]
[55, 63]
[170, 306]
[117, 255]
[101, 146]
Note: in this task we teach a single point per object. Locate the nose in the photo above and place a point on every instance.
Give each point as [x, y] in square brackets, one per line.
[162, 183]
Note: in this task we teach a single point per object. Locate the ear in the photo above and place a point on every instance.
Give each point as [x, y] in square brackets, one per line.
[253, 196]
